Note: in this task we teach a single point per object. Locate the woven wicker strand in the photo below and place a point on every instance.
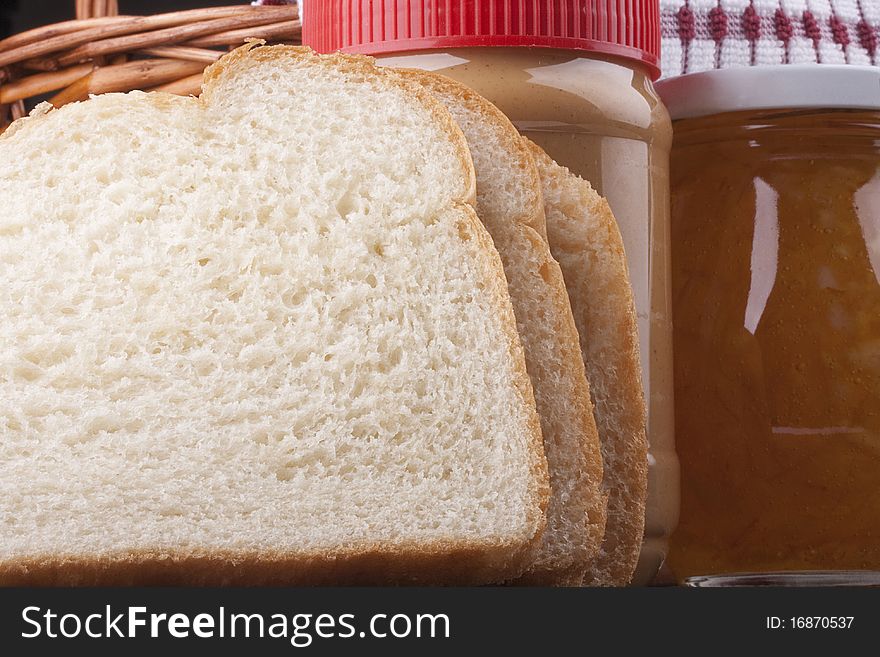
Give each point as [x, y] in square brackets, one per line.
[102, 51]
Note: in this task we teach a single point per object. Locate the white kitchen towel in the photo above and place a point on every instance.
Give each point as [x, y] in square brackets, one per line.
[698, 35]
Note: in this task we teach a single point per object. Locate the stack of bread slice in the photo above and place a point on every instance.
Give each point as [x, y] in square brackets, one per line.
[325, 324]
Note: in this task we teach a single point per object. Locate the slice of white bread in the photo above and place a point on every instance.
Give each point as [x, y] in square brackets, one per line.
[510, 205]
[258, 336]
[586, 241]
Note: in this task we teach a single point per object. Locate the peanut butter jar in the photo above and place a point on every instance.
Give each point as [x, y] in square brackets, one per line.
[776, 295]
[575, 77]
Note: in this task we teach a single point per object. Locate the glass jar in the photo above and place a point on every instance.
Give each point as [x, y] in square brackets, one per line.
[776, 295]
[586, 96]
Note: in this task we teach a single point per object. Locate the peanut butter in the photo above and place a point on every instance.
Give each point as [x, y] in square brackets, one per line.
[776, 290]
[601, 118]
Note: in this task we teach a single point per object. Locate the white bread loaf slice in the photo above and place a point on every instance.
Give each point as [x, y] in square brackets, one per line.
[510, 205]
[258, 337]
[586, 241]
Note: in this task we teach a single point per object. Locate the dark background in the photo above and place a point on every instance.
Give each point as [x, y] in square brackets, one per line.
[483, 621]
[19, 15]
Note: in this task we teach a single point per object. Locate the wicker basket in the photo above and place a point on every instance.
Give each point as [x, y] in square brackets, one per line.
[102, 51]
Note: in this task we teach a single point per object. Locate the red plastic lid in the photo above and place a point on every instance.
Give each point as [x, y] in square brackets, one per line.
[624, 28]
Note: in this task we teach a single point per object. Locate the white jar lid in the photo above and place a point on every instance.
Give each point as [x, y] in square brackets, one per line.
[785, 86]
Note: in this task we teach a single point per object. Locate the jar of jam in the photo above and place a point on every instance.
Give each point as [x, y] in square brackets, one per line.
[576, 78]
[776, 296]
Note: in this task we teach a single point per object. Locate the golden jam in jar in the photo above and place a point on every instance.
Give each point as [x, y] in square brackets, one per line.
[776, 309]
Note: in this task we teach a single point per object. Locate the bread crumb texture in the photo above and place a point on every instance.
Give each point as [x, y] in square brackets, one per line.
[249, 322]
[510, 205]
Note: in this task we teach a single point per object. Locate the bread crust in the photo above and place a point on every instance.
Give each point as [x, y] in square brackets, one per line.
[423, 564]
[602, 300]
[431, 562]
[526, 231]
[433, 83]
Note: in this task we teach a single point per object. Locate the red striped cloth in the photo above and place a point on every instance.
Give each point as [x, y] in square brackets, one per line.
[703, 34]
